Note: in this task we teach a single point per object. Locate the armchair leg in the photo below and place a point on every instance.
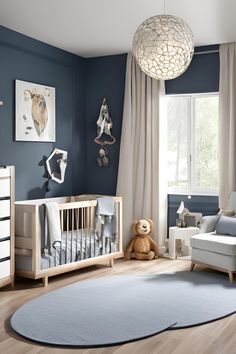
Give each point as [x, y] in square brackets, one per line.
[111, 262]
[231, 276]
[192, 266]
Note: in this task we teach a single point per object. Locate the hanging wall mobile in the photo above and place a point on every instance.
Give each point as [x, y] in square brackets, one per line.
[104, 136]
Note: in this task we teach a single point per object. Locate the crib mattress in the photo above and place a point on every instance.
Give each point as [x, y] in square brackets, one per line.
[75, 245]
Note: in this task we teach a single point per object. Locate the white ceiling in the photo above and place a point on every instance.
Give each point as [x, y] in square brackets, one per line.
[102, 27]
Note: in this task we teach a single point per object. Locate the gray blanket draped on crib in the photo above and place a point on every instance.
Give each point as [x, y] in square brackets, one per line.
[106, 222]
[50, 226]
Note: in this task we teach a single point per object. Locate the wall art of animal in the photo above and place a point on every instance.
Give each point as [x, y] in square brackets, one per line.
[35, 112]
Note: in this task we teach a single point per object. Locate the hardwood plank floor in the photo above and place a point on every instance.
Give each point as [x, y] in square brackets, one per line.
[218, 337]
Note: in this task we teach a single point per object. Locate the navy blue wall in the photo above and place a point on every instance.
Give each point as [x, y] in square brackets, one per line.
[27, 59]
[201, 76]
[105, 77]
[207, 205]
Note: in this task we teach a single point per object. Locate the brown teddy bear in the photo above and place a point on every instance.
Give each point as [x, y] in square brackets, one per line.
[141, 246]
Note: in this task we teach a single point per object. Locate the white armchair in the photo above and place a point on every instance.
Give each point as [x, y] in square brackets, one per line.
[216, 248]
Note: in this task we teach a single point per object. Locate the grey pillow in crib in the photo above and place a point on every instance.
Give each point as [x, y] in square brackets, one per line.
[226, 226]
[208, 223]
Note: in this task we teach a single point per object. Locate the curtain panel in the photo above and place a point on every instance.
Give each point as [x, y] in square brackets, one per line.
[227, 123]
[142, 164]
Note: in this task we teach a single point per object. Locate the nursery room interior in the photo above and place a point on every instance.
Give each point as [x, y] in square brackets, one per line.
[118, 176]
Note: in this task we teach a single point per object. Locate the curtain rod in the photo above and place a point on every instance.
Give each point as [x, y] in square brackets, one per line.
[207, 52]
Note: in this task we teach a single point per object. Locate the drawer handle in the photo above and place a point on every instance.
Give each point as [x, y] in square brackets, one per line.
[5, 198]
[7, 238]
[5, 218]
[4, 259]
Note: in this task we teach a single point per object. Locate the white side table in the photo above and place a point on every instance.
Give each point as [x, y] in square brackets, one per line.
[180, 233]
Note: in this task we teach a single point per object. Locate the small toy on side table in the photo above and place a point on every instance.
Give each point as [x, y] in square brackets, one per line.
[141, 246]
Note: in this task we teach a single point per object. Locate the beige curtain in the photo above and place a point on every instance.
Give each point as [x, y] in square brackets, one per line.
[142, 173]
[227, 123]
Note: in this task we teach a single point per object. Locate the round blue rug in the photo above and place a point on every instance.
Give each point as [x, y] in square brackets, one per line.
[119, 309]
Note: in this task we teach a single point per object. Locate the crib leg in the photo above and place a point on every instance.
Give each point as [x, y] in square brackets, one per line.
[45, 281]
[13, 282]
[111, 262]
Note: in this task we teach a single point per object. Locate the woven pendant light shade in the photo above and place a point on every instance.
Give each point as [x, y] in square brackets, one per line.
[163, 46]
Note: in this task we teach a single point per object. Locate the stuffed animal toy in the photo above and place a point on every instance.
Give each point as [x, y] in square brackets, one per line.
[141, 246]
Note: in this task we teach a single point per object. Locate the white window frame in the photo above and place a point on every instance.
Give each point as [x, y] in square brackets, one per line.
[191, 187]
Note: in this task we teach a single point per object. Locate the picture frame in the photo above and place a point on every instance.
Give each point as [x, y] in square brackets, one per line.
[35, 118]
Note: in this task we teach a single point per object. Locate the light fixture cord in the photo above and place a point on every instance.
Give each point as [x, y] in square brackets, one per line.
[164, 7]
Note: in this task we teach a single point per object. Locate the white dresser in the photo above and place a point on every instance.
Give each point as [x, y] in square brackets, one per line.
[7, 198]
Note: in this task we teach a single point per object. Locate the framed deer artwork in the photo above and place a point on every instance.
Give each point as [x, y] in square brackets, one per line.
[35, 112]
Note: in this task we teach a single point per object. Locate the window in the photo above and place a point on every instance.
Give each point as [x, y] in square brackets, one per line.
[192, 144]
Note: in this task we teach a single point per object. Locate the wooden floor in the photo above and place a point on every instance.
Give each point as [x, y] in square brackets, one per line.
[218, 337]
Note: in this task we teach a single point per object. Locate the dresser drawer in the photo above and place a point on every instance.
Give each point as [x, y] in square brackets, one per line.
[5, 269]
[5, 228]
[4, 208]
[4, 249]
[4, 172]
[5, 188]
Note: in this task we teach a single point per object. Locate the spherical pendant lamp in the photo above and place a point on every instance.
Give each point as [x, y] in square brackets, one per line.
[163, 46]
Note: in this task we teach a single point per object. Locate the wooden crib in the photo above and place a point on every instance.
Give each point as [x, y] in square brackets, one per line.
[82, 244]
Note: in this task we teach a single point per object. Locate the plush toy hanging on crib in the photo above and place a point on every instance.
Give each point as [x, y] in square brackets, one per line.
[104, 135]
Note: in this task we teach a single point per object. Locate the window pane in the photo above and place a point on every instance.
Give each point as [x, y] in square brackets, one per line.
[177, 142]
[206, 142]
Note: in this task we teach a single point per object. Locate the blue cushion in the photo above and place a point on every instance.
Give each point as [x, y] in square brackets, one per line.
[226, 226]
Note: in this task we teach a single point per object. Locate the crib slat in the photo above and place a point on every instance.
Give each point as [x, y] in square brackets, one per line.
[86, 231]
[103, 240]
[81, 233]
[66, 235]
[77, 227]
[72, 234]
[90, 232]
[60, 258]
[61, 219]
[61, 222]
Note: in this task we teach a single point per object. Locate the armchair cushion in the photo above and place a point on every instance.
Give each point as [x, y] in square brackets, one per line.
[226, 226]
[214, 243]
[208, 223]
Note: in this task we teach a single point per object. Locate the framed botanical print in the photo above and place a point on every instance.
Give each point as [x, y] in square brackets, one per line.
[35, 112]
